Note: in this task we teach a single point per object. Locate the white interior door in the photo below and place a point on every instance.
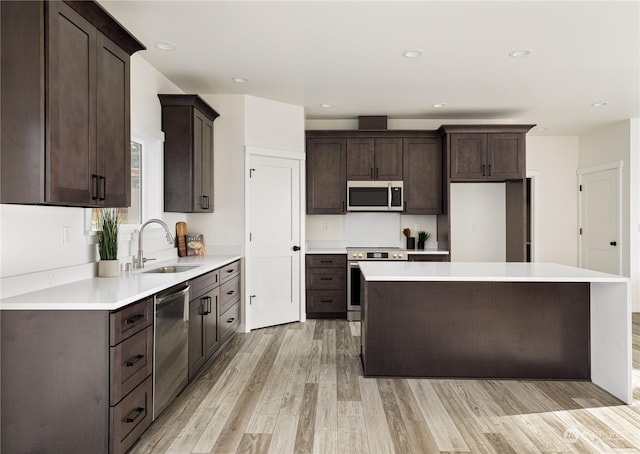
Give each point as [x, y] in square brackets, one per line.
[600, 221]
[274, 227]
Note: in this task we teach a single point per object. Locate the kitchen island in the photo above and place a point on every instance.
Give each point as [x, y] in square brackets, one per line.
[496, 320]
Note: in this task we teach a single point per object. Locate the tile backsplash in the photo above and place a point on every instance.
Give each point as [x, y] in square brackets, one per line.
[367, 229]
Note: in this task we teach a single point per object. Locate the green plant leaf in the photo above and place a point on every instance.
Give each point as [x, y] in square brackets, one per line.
[108, 223]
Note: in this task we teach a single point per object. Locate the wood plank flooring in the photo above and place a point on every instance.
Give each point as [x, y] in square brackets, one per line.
[298, 388]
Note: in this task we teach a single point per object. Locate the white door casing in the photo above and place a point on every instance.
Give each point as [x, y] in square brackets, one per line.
[600, 235]
[274, 225]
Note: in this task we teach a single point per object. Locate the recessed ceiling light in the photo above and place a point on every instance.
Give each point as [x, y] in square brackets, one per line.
[165, 45]
[600, 104]
[438, 105]
[519, 53]
[240, 79]
[413, 53]
[326, 106]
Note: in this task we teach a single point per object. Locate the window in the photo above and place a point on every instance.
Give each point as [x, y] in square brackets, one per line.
[133, 214]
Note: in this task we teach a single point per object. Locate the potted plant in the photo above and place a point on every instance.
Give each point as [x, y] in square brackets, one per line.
[422, 238]
[108, 223]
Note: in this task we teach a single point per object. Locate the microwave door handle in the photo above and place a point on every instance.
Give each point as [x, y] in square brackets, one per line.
[389, 197]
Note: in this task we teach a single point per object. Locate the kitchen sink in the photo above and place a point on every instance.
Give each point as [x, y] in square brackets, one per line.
[171, 269]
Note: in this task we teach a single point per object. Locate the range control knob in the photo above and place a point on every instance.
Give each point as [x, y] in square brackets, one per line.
[360, 255]
[394, 255]
[399, 255]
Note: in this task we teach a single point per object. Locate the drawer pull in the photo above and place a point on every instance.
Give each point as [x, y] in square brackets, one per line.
[230, 292]
[326, 278]
[232, 270]
[135, 414]
[326, 261]
[134, 319]
[132, 362]
[231, 320]
[326, 301]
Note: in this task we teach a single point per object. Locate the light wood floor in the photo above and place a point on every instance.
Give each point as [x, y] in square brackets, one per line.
[299, 388]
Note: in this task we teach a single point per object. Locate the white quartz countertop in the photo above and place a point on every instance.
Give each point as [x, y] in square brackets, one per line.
[101, 293]
[343, 250]
[481, 271]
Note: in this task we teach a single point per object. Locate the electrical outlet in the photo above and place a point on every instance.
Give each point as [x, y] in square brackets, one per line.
[417, 228]
[325, 227]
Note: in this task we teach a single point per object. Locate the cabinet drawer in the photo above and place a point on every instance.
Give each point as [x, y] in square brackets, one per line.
[229, 321]
[131, 363]
[428, 258]
[130, 320]
[230, 271]
[131, 417]
[326, 301]
[202, 284]
[326, 278]
[229, 293]
[326, 260]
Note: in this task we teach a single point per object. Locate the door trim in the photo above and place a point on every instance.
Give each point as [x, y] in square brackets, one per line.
[299, 156]
[613, 165]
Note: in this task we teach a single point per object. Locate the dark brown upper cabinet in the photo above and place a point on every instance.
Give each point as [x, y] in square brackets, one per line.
[187, 122]
[326, 175]
[374, 159]
[422, 175]
[65, 134]
[492, 156]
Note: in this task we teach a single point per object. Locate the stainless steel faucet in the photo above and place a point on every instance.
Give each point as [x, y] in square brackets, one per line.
[139, 261]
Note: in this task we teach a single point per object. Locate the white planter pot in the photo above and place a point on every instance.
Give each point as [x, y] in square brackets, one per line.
[109, 268]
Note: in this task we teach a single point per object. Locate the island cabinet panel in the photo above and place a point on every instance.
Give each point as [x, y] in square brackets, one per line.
[422, 176]
[532, 330]
[65, 105]
[326, 292]
[326, 175]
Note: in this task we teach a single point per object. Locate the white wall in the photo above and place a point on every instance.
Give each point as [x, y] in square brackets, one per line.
[553, 162]
[619, 142]
[44, 246]
[273, 124]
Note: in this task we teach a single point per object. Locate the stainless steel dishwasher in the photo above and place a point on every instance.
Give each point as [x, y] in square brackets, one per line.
[171, 346]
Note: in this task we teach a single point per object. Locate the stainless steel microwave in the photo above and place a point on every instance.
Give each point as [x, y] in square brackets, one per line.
[374, 195]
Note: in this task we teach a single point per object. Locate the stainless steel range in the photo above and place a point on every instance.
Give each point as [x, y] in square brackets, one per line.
[359, 254]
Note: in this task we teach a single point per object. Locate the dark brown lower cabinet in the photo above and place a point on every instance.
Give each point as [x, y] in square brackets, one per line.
[428, 257]
[326, 285]
[71, 380]
[82, 381]
[203, 329]
[214, 314]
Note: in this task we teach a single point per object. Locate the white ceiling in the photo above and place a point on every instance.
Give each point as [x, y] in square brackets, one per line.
[349, 54]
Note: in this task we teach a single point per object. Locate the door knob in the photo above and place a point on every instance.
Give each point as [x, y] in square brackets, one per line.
[296, 248]
[612, 243]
